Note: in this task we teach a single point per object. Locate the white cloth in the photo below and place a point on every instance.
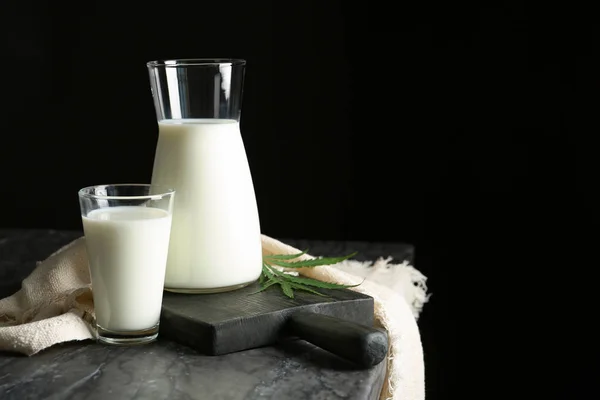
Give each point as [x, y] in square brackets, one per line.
[55, 305]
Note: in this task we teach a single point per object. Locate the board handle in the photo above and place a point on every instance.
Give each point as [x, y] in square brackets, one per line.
[363, 345]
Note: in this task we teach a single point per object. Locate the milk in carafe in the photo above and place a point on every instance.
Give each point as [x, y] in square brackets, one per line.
[215, 241]
[215, 234]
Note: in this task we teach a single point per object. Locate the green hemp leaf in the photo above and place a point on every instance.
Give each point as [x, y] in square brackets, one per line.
[271, 275]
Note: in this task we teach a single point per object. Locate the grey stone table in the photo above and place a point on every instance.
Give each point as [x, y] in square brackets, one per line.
[166, 370]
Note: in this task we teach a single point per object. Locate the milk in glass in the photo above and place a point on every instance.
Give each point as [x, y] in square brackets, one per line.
[127, 250]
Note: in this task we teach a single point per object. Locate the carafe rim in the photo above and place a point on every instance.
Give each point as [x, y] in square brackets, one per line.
[195, 62]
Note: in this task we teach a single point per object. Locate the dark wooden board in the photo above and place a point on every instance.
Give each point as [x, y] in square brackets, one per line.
[222, 323]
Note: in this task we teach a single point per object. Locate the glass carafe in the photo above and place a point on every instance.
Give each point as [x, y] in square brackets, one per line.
[215, 241]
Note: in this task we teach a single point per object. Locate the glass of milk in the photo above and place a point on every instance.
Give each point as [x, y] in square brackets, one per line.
[127, 229]
[215, 239]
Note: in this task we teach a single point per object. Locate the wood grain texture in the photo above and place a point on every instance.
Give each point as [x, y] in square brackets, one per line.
[222, 323]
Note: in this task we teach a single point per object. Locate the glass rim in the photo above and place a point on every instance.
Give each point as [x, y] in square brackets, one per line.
[195, 62]
[161, 192]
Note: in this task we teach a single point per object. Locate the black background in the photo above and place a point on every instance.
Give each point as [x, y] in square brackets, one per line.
[465, 129]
